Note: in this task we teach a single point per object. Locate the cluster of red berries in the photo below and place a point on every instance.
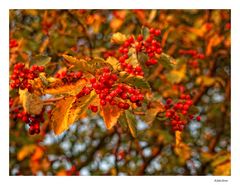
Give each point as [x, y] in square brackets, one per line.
[178, 112]
[123, 50]
[69, 77]
[111, 92]
[13, 43]
[195, 56]
[150, 46]
[107, 54]
[32, 120]
[21, 76]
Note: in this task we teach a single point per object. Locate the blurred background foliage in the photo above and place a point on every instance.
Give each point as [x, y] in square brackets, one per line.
[87, 148]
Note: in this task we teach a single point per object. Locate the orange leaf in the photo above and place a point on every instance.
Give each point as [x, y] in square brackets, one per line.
[38, 153]
[60, 115]
[25, 151]
[110, 115]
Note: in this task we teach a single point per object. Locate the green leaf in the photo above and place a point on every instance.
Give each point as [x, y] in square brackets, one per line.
[142, 58]
[145, 32]
[122, 121]
[43, 79]
[40, 60]
[136, 81]
[80, 64]
[167, 61]
[193, 110]
[131, 122]
[118, 38]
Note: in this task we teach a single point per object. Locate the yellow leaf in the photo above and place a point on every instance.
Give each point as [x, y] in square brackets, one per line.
[32, 103]
[133, 60]
[60, 114]
[82, 64]
[110, 115]
[72, 89]
[118, 38]
[152, 112]
[113, 62]
[25, 151]
[80, 106]
[181, 149]
[207, 81]
[177, 75]
[178, 138]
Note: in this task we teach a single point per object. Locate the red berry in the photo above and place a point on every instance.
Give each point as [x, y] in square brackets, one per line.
[157, 32]
[184, 112]
[121, 105]
[169, 101]
[133, 98]
[140, 38]
[102, 102]
[198, 118]
[152, 30]
[94, 108]
[126, 106]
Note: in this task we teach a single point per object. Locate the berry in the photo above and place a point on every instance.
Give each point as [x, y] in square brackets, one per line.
[140, 38]
[198, 118]
[102, 102]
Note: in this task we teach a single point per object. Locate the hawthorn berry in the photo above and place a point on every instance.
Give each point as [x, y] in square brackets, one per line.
[198, 118]
[22, 76]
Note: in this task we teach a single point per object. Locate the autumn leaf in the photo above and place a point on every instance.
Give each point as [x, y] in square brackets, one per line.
[213, 42]
[81, 64]
[118, 38]
[205, 80]
[167, 61]
[25, 151]
[98, 63]
[110, 114]
[178, 138]
[32, 103]
[133, 60]
[71, 89]
[40, 60]
[38, 153]
[60, 115]
[80, 106]
[136, 81]
[113, 62]
[131, 122]
[152, 112]
[116, 23]
[181, 149]
[177, 75]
